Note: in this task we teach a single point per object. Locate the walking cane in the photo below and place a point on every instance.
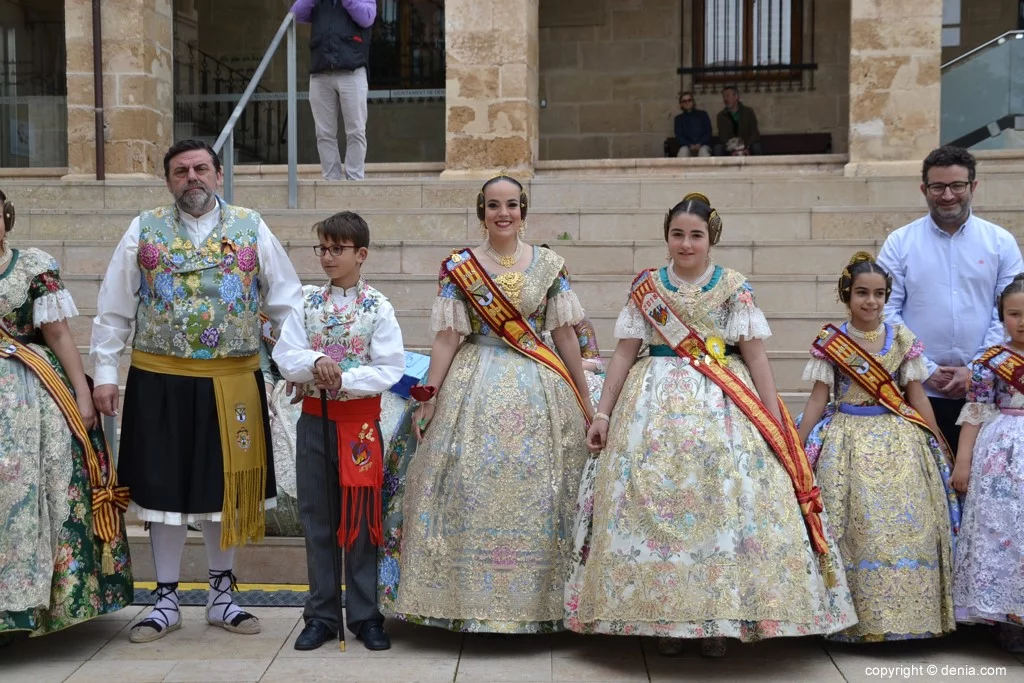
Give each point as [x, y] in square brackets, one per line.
[334, 512]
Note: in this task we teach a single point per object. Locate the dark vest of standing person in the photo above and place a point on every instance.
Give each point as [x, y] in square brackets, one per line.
[337, 42]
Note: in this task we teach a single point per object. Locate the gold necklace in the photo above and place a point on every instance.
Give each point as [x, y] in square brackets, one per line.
[871, 336]
[502, 260]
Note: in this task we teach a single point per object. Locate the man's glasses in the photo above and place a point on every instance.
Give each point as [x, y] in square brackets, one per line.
[939, 189]
[336, 250]
[685, 101]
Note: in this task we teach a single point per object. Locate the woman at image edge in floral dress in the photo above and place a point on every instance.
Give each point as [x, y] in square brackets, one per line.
[50, 560]
[688, 523]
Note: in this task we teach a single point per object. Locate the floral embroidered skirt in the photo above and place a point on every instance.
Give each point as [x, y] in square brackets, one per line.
[885, 485]
[988, 582]
[50, 562]
[486, 516]
[688, 526]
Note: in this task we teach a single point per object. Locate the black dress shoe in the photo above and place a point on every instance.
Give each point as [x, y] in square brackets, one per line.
[315, 634]
[374, 636]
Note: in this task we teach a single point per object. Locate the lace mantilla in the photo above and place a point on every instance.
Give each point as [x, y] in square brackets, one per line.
[14, 288]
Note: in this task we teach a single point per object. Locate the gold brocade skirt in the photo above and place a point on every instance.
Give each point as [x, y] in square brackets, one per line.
[888, 506]
[688, 523]
[489, 498]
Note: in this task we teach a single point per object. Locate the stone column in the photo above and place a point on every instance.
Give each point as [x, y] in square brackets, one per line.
[137, 90]
[491, 56]
[895, 60]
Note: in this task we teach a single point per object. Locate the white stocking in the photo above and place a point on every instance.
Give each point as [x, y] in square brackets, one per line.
[168, 543]
[220, 606]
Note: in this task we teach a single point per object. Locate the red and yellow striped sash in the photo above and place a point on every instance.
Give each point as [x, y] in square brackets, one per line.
[1007, 364]
[108, 499]
[497, 311]
[870, 375]
[781, 437]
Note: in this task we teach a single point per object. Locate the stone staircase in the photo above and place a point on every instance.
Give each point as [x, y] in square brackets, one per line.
[790, 235]
[790, 229]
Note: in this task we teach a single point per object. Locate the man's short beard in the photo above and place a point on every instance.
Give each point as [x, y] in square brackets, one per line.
[190, 202]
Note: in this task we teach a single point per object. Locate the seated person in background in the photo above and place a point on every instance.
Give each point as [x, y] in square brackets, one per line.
[693, 128]
[737, 127]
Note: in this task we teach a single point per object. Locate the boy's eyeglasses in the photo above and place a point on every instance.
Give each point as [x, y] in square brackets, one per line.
[336, 250]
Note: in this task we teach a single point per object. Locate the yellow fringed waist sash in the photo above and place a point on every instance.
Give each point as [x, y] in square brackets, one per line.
[243, 443]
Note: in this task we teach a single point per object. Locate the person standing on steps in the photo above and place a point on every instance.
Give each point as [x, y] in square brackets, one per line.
[339, 47]
[947, 270]
[195, 445]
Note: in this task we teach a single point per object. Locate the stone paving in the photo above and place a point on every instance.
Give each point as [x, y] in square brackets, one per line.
[99, 652]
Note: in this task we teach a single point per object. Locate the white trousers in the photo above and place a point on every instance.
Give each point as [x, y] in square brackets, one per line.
[328, 93]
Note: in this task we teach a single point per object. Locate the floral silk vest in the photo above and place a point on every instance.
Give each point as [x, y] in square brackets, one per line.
[344, 331]
[199, 301]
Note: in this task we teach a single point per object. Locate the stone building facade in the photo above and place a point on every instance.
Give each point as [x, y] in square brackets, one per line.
[532, 80]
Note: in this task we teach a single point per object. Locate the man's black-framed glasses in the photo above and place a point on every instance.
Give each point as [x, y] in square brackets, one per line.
[335, 249]
[939, 189]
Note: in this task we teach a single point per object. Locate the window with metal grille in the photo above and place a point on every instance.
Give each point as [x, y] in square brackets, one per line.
[757, 43]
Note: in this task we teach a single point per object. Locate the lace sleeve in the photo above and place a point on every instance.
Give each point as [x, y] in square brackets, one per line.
[913, 370]
[746, 320]
[819, 370]
[51, 301]
[977, 413]
[563, 309]
[449, 310]
[631, 324]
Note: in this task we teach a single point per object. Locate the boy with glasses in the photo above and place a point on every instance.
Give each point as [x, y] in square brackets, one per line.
[947, 270]
[347, 343]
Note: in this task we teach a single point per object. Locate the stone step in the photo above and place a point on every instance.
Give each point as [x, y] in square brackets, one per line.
[543, 224]
[275, 560]
[733, 191]
[597, 292]
[824, 257]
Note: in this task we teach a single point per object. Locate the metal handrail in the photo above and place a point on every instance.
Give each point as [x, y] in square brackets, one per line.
[998, 40]
[227, 135]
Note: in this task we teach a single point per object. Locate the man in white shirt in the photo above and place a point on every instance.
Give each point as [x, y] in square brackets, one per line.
[947, 269]
[195, 445]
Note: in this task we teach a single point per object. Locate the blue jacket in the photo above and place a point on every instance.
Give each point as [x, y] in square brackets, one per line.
[693, 128]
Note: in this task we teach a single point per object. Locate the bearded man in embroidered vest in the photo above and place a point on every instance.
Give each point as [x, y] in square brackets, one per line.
[195, 442]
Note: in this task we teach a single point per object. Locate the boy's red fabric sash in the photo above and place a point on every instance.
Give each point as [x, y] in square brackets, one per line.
[360, 464]
[782, 438]
[490, 303]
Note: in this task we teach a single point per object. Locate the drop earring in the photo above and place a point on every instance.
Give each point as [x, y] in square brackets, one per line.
[483, 229]
[522, 229]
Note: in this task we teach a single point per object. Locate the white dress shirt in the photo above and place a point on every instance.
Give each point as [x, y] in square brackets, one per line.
[280, 289]
[944, 286]
[295, 358]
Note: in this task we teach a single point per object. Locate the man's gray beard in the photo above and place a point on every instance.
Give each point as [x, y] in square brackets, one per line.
[193, 203]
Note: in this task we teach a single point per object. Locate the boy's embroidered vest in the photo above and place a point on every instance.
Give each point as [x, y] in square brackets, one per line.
[342, 332]
[199, 301]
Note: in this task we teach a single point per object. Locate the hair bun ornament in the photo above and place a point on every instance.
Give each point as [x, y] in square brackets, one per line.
[861, 256]
[699, 196]
[714, 220]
